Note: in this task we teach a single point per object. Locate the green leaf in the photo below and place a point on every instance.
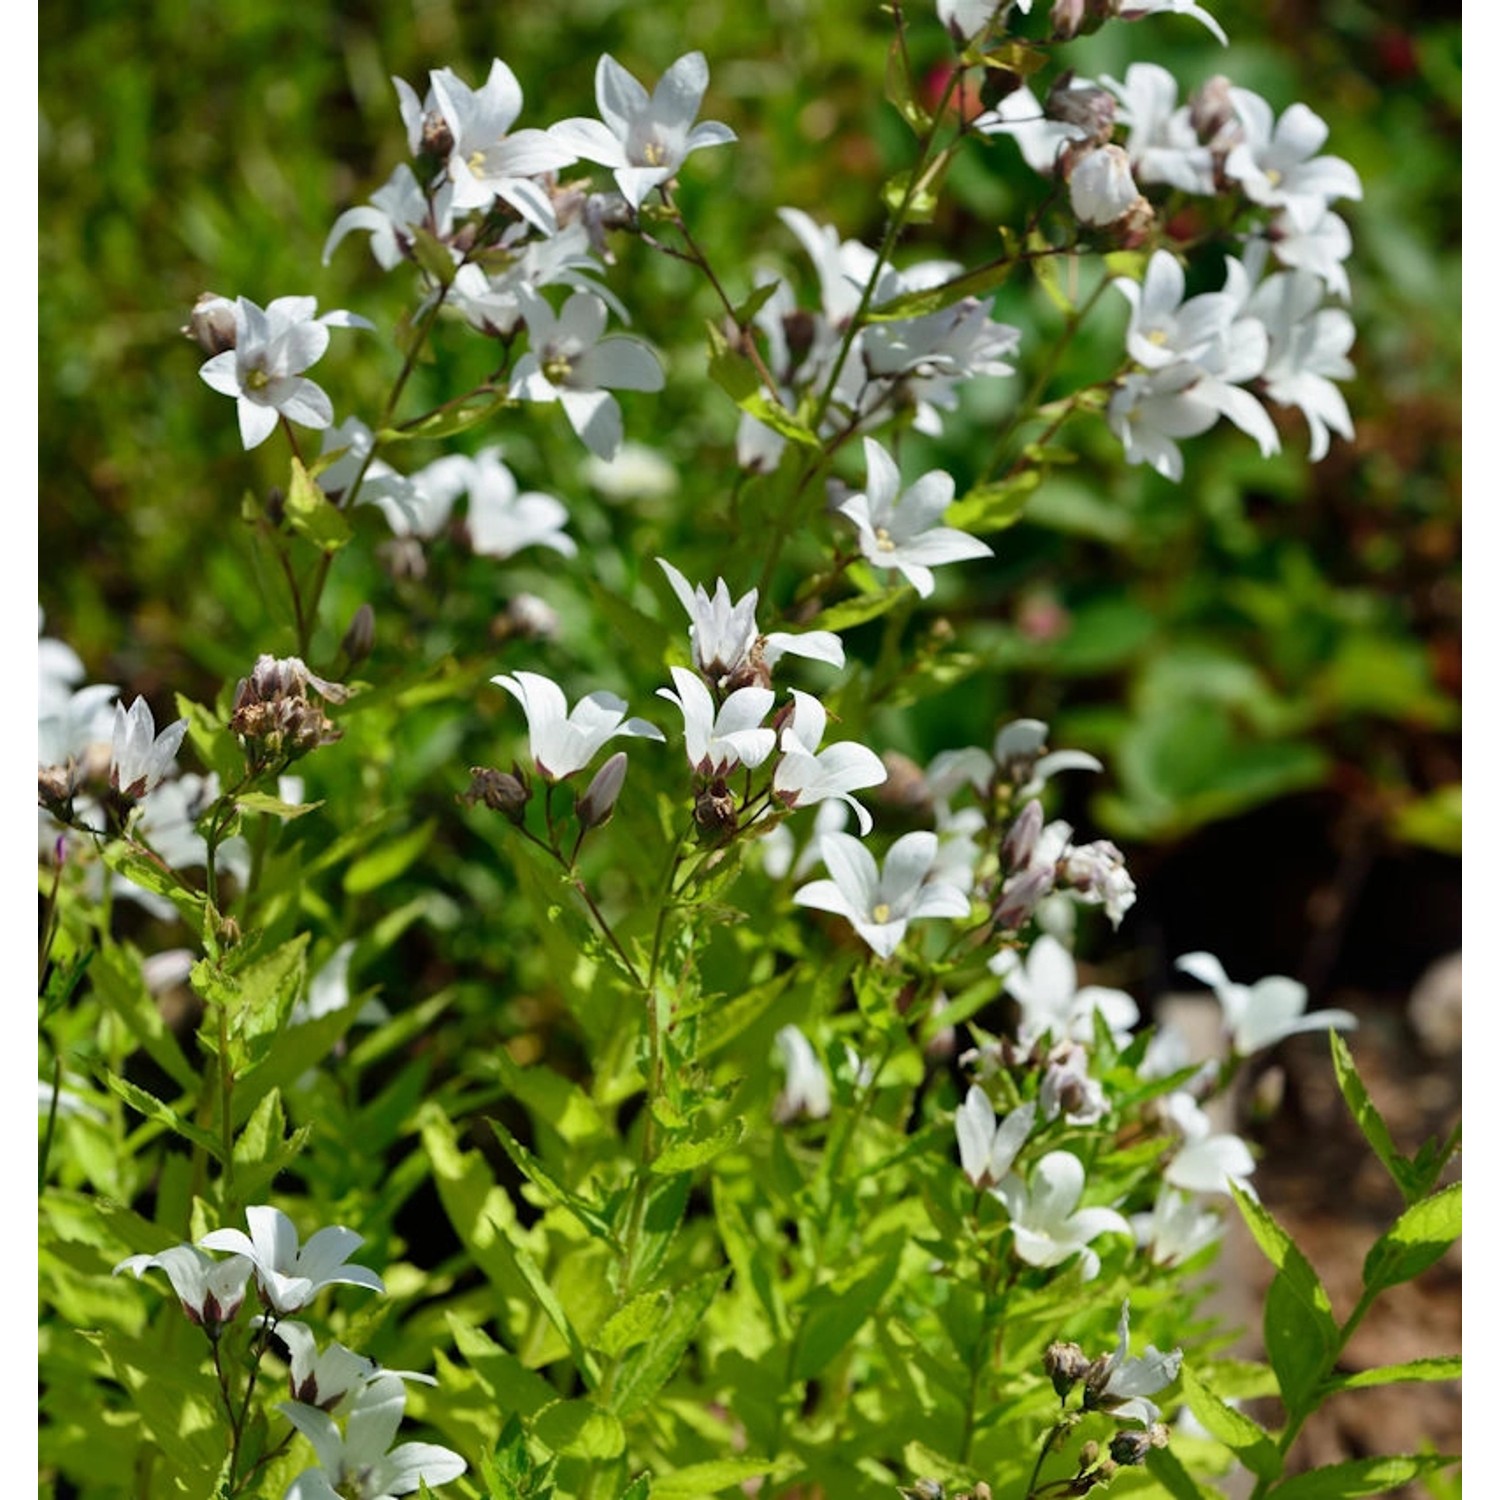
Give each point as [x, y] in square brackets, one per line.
[546, 1299]
[117, 981]
[432, 254]
[834, 1313]
[745, 313]
[1439, 1367]
[1248, 1439]
[478, 406]
[264, 802]
[1287, 1258]
[775, 416]
[1299, 1344]
[553, 1100]
[928, 300]
[137, 863]
[162, 1114]
[503, 1376]
[993, 507]
[1416, 1240]
[1373, 1127]
[1360, 1476]
[630, 1325]
[899, 91]
[729, 368]
[696, 1480]
[310, 513]
[1166, 1468]
[541, 1176]
[858, 611]
[639, 1488]
[579, 1429]
[384, 864]
[686, 1155]
[644, 1374]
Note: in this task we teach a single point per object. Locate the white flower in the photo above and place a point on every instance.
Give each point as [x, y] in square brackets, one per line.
[399, 498]
[289, 1275]
[644, 138]
[1045, 1219]
[211, 1291]
[1045, 986]
[987, 1148]
[1134, 10]
[880, 902]
[1120, 1384]
[1309, 349]
[272, 347]
[1320, 247]
[488, 159]
[1101, 189]
[1261, 1014]
[501, 519]
[1019, 756]
[1068, 1090]
[1206, 1162]
[359, 1464]
[806, 1092]
[392, 214]
[718, 739]
[563, 742]
[570, 362]
[805, 775]
[139, 757]
[899, 528]
[1276, 165]
[1163, 328]
[1041, 140]
[325, 1379]
[1177, 1227]
[727, 641]
[1095, 873]
[1163, 145]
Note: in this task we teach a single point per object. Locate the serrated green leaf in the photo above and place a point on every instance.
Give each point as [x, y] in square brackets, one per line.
[1417, 1240]
[579, 1429]
[263, 802]
[730, 369]
[161, 1113]
[117, 981]
[311, 514]
[1248, 1439]
[448, 420]
[1439, 1367]
[137, 863]
[1285, 1256]
[645, 1372]
[1298, 1343]
[859, 611]
[630, 1325]
[553, 1100]
[920, 304]
[1360, 1476]
[503, 1376]
[1371, 1125]
[546, 1299]
[541, 1176]
[686, 1156]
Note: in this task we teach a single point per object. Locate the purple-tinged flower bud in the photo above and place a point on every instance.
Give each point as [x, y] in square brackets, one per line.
[1101, 189]
[1130, 1446]
[1212, 113]
[598, 802]
[1067, 19]
[1019, 896]
[437, 137]
[1020, 842]
[1066, 1365]
[359, 638]
[1091, 109]
[211, 323]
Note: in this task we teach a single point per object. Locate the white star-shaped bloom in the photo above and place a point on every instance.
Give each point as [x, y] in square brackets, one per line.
[263, 372]
[392, 214]
[880, 902]
[211, 1291]
[1162, 143]
[563, 742]
[987, 1147]
[501, 519]
[569, 361]
[1045, 1219]
[723, 736]
[139, 756]
[290, 1274]
[1207, 1161]
[1261, 1014]
[359, 1463]
[1121, 1384]
[1276, 165]
[805, 775]
[1045, 986]
[899, 528]
[644, 137]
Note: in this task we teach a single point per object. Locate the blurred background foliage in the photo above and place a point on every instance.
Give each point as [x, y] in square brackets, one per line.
[1266, 655]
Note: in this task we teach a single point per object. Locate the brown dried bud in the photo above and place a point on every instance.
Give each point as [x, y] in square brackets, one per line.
[211, 323]
[500, 791]
[1066, 1365]
[273, 714]
[1091, 109]
[55, 786]
[1212, 113]
[713, 811]
[751, 672]
[1128, 1447]
[437, 138]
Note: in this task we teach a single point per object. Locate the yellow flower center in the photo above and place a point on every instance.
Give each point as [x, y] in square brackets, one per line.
[257, 380]
[476, 163]
[655, 156]
[557, 368]
[1273, 176]
[883, 543]
[882, 912]
[1157, 336]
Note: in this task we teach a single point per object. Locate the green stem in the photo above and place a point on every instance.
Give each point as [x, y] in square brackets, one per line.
[1036, 1469]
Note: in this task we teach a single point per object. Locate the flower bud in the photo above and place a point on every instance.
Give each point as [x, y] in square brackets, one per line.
[1020, 841]
[713, 811]
[437, 137]
[1066, 1365]
[1130, 1446]
[359, 638]
[1212, 113]
[211, 323]
[1101, 188]
[1091, 109]
[1019, 896]
[923, 1489]
[500, 791]
[1088, 1455]
[598, 802]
